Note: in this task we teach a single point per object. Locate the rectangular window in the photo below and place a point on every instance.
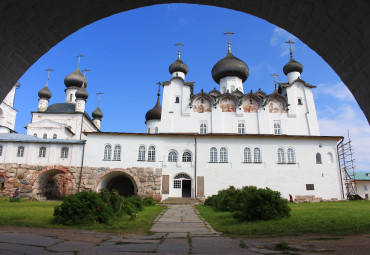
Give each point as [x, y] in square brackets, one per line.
[277, 127]
[177, 184]
[310, 187]
[365, 187]
[203, 127]
[241, 127]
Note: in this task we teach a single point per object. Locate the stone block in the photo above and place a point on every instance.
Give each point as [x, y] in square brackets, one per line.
[20, 176]
[24, 181]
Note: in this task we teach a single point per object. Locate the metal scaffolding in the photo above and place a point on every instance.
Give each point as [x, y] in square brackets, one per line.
[345, 151]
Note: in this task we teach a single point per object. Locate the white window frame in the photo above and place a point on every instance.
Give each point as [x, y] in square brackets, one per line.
[203, 127]
[64, 152]
[318, 158]
[117, 152]
[55, 136]
[44, 136]
[177, 184]
[291, 156]
[257, 155]
[156, 130]
[241, 127]
[247, 155]
[281, 156]
[172, 156]
[223, 155]
[107, 152]
[42, 152]
[186, 157]
[213, 155]
[277, 127]
[141, 153]
[20, 151]
[151, 153]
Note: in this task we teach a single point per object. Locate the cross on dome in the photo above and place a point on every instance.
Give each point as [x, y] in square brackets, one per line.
[47, 79]
[290, 47]
[274, 74]
[99, 95]
[228, 33]
[179, 44]
[79, 56]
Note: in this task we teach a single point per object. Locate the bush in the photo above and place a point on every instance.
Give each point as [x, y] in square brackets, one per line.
[149, 201]
[133, 205]
[88, 207]
[14, 199]
[250, 203]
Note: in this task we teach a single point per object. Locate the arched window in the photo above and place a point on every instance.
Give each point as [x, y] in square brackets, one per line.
[203, 128]
[42, 152]
[117, 152]
[20, 151]
[45, 136]
[186, 157]
[213, 155]
[172, 156]
[2, 182]
[64, 152]
[107, 152]
[156, 130]
[151, 153]
[223, 155]
[148, 130]
[177, 100]
[281, 155]
[257, 155]
[35, 135]
[1, 150]
[247, 155]
[318, 158]
[141, 154]
[291, 155]
[55, 136]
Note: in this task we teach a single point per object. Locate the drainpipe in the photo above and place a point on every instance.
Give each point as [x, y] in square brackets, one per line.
[195, 166]
[82, 165]
[340, 168]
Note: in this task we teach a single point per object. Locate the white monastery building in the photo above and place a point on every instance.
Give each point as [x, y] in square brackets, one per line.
[195, 144]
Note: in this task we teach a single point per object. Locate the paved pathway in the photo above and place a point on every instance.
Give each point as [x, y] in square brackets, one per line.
[178, 231]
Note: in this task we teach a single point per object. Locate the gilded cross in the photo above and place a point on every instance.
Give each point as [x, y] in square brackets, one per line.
[47, 79]
[290, 47]
[79, 56]
[99, 94]
[228, 33]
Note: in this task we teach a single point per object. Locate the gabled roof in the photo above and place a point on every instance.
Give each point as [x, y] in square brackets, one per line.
[285, 85]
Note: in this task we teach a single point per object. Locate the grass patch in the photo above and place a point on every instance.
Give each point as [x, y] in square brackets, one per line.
[40, 214]
[334, 218]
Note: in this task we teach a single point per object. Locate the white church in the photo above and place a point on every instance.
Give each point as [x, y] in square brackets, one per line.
[195, 144]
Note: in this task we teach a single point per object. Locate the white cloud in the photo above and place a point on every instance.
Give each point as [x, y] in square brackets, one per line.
[338, 91]
[278, 39]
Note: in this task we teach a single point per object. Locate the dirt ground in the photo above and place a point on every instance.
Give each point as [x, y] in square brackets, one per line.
[307, 243]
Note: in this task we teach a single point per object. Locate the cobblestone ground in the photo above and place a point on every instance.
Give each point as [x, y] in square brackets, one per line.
[179, 230]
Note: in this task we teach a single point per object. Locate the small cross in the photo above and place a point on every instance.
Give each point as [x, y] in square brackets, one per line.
[99, 94]
[85, 70]
[290, 47]
[228, 33]
[274, 74]
[79, 56]
[47, 79]
[159, 88]
[179, 44]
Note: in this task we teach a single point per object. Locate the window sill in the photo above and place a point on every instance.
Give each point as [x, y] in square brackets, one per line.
[223, 162]
[280, 163]
[151, 160]
[116, 160]
[106, 159]
[141, 160]
[213, 162]
[291, 163]
[257, 162]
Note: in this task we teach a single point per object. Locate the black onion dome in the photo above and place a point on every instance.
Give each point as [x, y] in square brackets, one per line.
[155, 113]
[82, 93]
[75, 79]
[292, 66]
[97, 114]
[45, 93]
[178, 66]
[230, 66]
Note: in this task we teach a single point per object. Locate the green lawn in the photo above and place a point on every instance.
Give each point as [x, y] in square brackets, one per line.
[40, 214]
[335, 218]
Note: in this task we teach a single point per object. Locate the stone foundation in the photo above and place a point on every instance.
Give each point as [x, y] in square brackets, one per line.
[311, 199]
[41, 181]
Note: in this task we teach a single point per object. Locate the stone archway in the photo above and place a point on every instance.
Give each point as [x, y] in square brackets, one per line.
[118, 181]
[336, 30]
[53, 183]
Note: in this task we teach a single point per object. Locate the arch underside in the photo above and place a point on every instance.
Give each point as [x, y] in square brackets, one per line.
[119, 182]
[52, 184]
[336, 30]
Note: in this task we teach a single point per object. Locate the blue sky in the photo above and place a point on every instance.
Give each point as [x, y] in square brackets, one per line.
[130, 52]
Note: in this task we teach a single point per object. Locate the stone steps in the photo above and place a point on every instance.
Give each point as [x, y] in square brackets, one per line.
[180, 201]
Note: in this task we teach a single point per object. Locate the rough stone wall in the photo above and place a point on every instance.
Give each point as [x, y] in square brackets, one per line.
[311, 199]
[66, 179]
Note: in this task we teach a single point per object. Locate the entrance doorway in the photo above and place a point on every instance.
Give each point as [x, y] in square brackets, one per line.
[183, 183]
[120, 182]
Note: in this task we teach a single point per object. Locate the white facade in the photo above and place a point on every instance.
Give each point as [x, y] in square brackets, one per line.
[7, 112]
